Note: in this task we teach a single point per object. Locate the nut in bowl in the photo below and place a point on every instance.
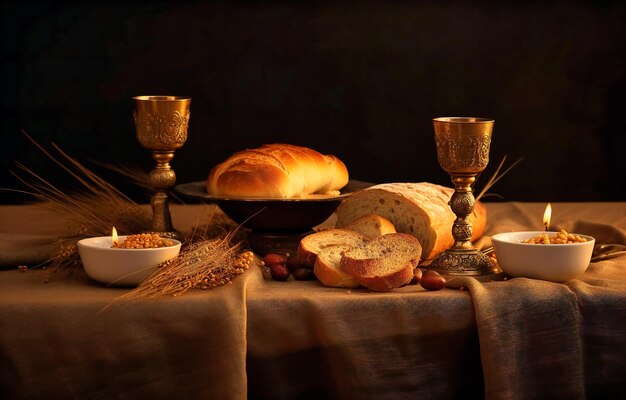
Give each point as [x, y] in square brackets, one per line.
[547, 261]
[122, 266]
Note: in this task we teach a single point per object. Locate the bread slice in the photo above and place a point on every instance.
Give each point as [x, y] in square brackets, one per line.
[385, 263]
[371, 226]
[327, 268]
[419, 209]
[312, 244]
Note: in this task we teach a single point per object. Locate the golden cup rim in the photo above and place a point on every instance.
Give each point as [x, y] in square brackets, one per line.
[161, 98]
[464, 120]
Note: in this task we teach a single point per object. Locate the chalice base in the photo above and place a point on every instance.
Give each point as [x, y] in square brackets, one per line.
[463, 263]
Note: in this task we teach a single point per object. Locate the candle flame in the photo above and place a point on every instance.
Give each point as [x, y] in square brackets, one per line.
[547, 215]
[114, 237]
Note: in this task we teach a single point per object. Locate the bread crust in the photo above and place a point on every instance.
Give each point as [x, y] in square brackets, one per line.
[310, 245]
[332, 275]
[372, 226]
[385, 271]
[385, 283]
[419, 209]
[277, 171]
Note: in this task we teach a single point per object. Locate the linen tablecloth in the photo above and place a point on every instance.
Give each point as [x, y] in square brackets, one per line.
[256, 338]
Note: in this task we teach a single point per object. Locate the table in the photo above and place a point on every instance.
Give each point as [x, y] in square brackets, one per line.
[256, 338]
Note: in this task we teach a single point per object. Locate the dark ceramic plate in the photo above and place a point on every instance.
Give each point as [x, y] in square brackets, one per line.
[273, 215]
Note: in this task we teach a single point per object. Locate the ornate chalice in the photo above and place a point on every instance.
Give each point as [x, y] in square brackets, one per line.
[463, 152]
[161, 123]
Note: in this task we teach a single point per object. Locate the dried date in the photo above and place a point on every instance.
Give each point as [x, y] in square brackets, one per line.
[274, 259]
[432, 280]
[303, 274]
[279, 272]
[417, 276]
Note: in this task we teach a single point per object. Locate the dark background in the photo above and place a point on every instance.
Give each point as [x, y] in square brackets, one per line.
[361, 80]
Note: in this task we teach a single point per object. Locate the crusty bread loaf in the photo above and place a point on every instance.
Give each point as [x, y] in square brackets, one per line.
[311, 245]
[328, 270]
[419, 209]
[384, 263]
[277, 171]
[371, 226]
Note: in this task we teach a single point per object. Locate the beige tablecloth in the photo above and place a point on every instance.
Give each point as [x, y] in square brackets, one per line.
[255, 338]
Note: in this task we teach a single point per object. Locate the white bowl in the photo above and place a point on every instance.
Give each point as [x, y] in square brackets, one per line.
[121, 267]
[551, 262]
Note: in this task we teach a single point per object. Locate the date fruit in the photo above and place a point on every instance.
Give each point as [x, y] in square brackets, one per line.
[294, 262]
[417, 276]
[303, 274]
[279, 272]
[283, 265]
[274, 259]
[432, 280]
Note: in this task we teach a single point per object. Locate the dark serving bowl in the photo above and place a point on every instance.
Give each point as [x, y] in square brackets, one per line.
[273, 215]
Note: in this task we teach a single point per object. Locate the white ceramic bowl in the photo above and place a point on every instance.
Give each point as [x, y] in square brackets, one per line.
[551, 262]
[121, 267]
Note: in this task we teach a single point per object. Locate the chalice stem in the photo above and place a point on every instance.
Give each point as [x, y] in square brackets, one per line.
[162, 221]
[162, 178]
[462, 204]
[462, 258]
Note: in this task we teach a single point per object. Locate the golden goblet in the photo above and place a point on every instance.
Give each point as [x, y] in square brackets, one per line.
[463, 152]
[161, 123]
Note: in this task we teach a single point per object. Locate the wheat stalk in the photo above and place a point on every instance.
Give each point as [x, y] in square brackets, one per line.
[92, 211]
[204, 264]
[496, 177]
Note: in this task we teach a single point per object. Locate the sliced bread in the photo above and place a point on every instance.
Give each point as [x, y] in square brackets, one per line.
[371, 226]
[419, 209]
[311, 245]
[385, 263]
[327, 268]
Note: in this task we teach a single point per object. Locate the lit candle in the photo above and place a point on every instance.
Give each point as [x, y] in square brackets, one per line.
[547, 215]
[114, 237]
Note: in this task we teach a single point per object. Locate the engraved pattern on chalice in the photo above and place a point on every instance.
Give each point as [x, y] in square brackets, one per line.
[154, 129]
